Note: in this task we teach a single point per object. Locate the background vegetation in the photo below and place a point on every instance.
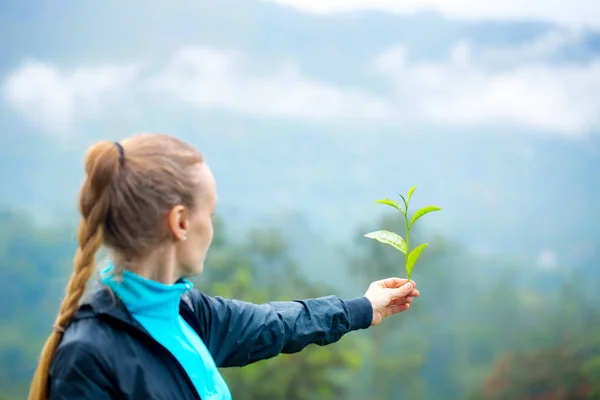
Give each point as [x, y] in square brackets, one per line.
[467, 337]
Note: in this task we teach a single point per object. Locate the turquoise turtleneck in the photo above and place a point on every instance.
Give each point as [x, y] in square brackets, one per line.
[156, 307]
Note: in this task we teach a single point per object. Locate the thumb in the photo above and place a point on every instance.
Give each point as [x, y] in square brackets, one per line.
[402, 291]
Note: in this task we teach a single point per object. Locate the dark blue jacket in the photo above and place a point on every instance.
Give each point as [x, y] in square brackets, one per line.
[105, 354]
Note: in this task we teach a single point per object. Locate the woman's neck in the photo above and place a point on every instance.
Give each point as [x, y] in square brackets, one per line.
[159, 266]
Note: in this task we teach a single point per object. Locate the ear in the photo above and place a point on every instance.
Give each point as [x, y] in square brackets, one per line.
[178, 222]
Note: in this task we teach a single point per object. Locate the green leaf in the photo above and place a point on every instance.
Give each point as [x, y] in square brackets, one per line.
[391, 203]
[387, 237]
[410, 192]
[405, 202]
[422, 212]
[413, 257]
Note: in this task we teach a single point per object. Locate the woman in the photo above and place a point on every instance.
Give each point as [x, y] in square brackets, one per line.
[144, 332]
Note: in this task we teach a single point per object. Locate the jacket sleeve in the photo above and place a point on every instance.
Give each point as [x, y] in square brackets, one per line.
[240, 333]
[78, 372]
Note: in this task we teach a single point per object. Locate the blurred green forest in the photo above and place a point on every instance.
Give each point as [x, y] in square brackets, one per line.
[470, 335]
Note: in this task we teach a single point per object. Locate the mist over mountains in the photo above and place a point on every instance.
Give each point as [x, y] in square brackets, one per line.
[307, 118]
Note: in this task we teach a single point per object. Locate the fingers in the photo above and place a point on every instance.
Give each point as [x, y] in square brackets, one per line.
[400, 300]
[402, 291]
[414, 293]
[396, 309]
[393, 282]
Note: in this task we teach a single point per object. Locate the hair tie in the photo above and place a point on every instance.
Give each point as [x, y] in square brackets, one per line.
[121, 153]
[58, 329]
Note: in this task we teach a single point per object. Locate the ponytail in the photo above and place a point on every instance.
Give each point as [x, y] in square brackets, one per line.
[103, 162]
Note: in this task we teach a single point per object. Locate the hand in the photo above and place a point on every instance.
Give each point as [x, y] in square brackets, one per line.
[390, 296]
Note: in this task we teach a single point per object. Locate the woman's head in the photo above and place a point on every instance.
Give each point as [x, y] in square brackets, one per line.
[149, 199]
[160, 200]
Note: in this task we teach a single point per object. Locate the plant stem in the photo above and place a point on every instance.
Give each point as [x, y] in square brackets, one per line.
[407, 243]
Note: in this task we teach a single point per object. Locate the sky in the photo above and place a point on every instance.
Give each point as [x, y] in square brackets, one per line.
[520, 64]
[244, 78]
[574, 13]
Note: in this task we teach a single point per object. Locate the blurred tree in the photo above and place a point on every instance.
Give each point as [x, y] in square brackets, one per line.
[473, 310]
[553, 374]
[35, 264]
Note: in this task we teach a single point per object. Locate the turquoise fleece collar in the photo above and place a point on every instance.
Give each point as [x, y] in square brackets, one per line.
[143, 296]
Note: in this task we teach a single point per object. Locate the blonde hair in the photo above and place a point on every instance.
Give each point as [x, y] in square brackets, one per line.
[128, 190]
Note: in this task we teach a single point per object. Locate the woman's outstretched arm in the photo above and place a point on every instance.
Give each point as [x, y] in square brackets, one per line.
[238, 333]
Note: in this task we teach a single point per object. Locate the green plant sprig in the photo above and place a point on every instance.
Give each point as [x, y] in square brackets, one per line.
[395, 240]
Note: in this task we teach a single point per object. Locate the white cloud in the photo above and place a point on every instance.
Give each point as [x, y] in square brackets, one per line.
[574, 13]
[562, 99]
[474, 88]
[56, 99]
[204, 77]
[461, 91]
[540, 49]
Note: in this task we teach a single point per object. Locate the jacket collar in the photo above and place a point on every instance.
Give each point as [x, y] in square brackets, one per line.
[145, 297]
[99, 301]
